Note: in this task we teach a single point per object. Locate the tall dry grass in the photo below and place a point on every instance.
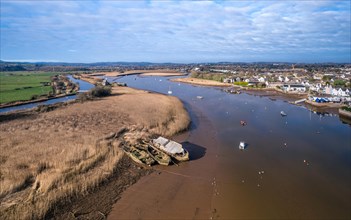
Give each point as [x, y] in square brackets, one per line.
[60, 154]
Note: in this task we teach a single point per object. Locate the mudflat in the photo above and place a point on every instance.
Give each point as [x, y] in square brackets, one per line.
[177, 192]
[51, 158]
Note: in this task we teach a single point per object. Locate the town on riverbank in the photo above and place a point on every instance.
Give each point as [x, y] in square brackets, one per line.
[319, 85]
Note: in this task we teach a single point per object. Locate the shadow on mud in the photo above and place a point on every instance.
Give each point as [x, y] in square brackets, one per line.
[195, 151]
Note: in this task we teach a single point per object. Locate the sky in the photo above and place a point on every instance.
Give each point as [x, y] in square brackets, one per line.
[176, 31]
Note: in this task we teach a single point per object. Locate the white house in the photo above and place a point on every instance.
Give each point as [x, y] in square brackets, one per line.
[328, 89]
[340, 92]
[261, 79]
[228, 80]
[294, 88]
[306, 83]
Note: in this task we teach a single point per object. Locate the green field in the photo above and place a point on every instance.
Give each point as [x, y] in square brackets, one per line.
[20, 86]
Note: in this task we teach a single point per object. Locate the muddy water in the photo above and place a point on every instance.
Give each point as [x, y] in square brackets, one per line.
[297, 166]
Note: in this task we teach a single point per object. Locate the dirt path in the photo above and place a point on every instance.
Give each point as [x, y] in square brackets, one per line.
[177, 192]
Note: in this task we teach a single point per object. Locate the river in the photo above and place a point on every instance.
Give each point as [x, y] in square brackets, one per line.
[294, 167]
[298, 166]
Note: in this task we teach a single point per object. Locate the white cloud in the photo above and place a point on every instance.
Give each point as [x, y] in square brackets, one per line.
[113, 30]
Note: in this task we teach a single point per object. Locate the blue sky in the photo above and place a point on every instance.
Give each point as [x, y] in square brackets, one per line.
[176, 31]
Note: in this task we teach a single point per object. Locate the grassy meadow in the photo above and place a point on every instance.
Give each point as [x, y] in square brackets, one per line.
[21, 86]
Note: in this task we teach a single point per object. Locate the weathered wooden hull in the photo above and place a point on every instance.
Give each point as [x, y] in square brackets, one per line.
[184, 157]
[160, 157]
[139, 156]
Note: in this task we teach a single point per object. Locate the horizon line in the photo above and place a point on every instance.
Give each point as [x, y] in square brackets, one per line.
[168, 62]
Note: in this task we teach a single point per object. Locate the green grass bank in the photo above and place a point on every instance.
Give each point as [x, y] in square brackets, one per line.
[23, 85]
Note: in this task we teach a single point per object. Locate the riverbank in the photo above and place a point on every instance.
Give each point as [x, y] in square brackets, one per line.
[34, 101]
[201, 82]
[50, 159]
[271, 93]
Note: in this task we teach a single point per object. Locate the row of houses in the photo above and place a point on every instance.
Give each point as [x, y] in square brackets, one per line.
[292, 87]
[330, 90]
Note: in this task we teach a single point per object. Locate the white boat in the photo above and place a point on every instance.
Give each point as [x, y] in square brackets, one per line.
[169, 91]
[242, 145]
[283, 113]
[199, 97]
[171, 148]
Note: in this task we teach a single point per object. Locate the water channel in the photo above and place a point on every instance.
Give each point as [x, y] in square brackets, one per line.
[298, 166]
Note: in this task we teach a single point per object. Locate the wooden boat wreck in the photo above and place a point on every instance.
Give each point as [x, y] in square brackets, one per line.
[171, 148]
[158, 155]
[138, 155]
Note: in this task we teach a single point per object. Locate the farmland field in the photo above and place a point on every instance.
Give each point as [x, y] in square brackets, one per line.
[20, 86]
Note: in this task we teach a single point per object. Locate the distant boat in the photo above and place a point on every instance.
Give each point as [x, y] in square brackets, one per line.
[169, 91]
[199, 97]
[242, 145]
[243, 123]
[283, 113]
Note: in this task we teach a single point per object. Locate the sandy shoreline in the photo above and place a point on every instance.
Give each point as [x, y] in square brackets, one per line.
[202, 82]
[49, 157]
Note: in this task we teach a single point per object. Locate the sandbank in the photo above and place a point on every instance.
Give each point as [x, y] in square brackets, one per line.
[202, 82]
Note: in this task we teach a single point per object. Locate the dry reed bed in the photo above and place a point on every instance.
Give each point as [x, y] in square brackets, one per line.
[55, 155]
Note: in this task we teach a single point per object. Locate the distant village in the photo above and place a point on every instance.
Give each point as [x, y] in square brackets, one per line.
[320, 83]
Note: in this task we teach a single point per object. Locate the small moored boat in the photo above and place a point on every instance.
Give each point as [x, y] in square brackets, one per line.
[169, 91]
[282, 113]
[243, 123]
[171, 148]
[242, 145]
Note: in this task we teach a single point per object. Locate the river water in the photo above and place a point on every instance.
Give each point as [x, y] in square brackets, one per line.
[294, 167]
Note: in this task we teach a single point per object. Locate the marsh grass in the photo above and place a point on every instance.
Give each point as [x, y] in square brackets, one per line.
[59, 154]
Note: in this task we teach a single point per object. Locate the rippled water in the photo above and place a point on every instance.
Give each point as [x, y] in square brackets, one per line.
[305, 157]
